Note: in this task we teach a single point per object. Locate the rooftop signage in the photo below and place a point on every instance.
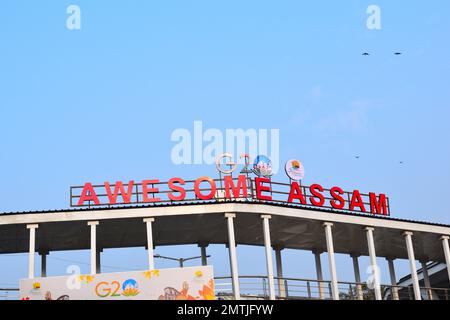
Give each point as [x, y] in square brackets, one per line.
[241, 187]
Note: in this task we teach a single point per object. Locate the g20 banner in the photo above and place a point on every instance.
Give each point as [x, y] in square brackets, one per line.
[196, 283]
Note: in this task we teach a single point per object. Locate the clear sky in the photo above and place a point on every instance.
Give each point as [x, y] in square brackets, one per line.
[101, 103]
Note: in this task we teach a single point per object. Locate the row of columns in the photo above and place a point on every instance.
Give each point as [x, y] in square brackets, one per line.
[359, 292]
[319, 273]
[95, 259]
[332, 263]
[373, 260]
[95, 252]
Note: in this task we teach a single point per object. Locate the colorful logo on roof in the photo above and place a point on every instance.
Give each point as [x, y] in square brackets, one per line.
[295, 170]
[262, 166]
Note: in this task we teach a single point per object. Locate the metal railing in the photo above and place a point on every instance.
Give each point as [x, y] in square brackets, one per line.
[9, 294]
[257, 287]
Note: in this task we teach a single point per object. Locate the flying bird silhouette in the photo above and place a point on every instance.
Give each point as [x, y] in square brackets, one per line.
[397, 53]
[366, 54]
[357, 157]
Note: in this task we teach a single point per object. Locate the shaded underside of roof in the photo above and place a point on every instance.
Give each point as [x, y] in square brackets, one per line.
[191, 203]
[209, 226]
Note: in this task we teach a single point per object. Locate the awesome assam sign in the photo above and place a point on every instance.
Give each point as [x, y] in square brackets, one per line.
[228, 188]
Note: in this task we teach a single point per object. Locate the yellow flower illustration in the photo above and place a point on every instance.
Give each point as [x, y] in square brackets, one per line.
[130, 292]
[199, 274]
[87, 279]
[151, 274]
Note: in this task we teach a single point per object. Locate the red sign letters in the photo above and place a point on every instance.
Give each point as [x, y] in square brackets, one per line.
[205, 188]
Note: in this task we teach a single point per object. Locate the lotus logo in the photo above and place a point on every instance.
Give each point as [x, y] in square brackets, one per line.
[262, 166]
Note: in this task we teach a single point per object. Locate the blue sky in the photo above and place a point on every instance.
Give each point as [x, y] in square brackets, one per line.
[100, 103]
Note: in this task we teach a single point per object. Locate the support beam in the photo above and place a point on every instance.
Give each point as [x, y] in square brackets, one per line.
[32, 249]
[373, 263]
[331, 260]
[233, 256]
[359, 291]
[203, 254]
[98, 263]
[426, 279]
[269, 262]
[150, 246]
[394, 288]
[93, 225]
[319, 273]
[412, 264]
[281, 282]
[43, 255]
[446, 247]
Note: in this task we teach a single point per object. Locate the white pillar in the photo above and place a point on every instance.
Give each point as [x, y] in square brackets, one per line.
[394, 289]
[43, 255]
[233, 255]
[151, 259]
[319, 273]
[359, 292]
[412, 264]
[445, 244]
[32, 249]
[426, 279]
[269, 262]
[331, 261]
[204, 255]
[373, 263]
[281, 282]
[93, 225]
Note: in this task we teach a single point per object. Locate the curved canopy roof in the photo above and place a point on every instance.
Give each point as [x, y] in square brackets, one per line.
[204, 223]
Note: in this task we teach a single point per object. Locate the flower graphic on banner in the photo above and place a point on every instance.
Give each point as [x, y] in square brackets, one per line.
[199, 274]
[152, 273]
[130, 288]
[208, 291]
[86, 279]
[36, 285]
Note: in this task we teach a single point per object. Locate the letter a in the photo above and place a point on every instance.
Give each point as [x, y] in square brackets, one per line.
[74, 20]
[374, 20]
[88, 194]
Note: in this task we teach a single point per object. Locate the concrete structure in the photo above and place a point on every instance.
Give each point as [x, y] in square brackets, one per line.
[274, 226]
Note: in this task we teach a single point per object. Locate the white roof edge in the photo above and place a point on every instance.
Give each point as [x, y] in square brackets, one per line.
[254, 208]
